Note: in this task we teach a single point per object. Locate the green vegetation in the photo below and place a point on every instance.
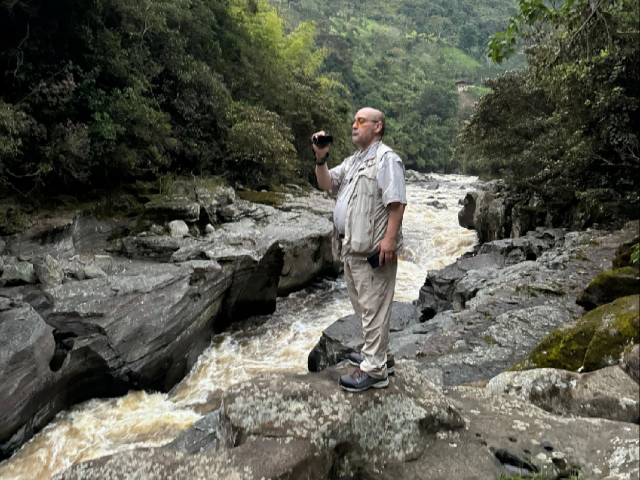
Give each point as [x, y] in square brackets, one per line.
[566, 126]
[96, 95]
[404, 58]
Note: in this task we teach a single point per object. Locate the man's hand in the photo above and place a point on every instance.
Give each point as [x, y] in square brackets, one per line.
[388, 247]
[320, 152]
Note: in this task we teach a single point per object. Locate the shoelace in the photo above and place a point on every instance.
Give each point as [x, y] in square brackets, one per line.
[358, 374]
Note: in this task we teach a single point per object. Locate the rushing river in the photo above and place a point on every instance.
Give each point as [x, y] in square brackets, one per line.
[279, 342]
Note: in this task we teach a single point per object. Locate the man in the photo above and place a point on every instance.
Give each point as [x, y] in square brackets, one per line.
[370, 199]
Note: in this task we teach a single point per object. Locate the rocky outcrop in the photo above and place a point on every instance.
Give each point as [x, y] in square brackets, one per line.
[594, 341]
[443, 289]
[122, 308]
[606, 393]
[609, 285]
[497, 211]
[502, 307]
[292, 427]
[631, 362]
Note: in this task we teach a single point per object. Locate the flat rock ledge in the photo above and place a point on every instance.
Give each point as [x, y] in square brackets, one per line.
[294, 427]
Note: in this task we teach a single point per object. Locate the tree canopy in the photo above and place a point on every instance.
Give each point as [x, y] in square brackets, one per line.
[570, 120]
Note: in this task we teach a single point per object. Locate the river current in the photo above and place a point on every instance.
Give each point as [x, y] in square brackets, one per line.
[279, 342]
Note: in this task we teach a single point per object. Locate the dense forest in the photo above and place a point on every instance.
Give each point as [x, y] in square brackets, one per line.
[565, 128]
[97, 95]
[100, 94]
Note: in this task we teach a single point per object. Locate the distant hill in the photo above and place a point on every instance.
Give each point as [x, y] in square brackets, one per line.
[404, 57]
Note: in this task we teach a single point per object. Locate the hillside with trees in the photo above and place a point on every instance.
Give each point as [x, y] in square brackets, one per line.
[565, 129]
[404, 58]
[95, 95]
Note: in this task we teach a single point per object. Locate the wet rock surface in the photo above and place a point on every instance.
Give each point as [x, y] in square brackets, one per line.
[293, 427]
[122, 308]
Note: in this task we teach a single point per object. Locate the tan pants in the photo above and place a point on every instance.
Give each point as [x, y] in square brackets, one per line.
[371, 294]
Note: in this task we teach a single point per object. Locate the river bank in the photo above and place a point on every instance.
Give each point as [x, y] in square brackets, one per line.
[309, 448]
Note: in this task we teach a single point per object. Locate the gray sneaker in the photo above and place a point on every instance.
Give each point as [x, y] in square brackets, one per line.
[355, 359]
[359, 381]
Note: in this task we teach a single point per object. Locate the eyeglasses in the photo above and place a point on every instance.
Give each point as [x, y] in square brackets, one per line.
[361, 121]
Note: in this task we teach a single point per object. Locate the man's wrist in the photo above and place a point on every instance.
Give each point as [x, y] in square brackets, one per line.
[322, 161]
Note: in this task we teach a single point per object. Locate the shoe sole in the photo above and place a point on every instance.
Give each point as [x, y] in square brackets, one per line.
[384, 384]
[390, 370]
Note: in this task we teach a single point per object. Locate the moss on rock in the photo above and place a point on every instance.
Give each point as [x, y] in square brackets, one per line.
[594, 341]
[623, 259]
[272, 199]
[609, 285]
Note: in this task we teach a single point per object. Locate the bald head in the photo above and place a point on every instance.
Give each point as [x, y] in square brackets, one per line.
[368, 127]
[375, 115]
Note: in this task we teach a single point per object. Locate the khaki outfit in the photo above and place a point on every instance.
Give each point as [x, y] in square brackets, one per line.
[364, 184]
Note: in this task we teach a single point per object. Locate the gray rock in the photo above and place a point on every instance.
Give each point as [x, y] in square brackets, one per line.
[25, 375]
[19, 273]
[174, 209]
[65, 237]
[157, 229]
[178, 229]
[212, 433]
[607, 393]
[93, 271]
[306, 427]
[631, 362]
[49, 271]
[209, 228]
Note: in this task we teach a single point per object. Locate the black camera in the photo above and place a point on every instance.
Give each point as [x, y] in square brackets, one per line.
[322, 139]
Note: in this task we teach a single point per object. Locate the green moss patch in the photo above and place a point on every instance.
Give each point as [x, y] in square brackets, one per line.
[609, 285]
[272, 199]
[594, 341]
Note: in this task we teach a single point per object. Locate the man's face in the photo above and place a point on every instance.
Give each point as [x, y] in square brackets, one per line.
[364, 128]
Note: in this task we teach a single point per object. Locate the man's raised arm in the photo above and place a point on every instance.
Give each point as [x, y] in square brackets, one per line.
[322, 172]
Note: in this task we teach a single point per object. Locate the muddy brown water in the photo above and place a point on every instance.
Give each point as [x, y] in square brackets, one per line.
[279, 342]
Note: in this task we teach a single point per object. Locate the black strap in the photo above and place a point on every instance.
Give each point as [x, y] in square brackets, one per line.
[321, 162]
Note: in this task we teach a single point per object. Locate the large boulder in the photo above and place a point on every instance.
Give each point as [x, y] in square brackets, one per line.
[293, 427]
[18, 273]
[605, 393]
[594, 341]
[49, 271]
[631, 362]
[26, 377]
[174, 209]
[142, 326]
[609, 285]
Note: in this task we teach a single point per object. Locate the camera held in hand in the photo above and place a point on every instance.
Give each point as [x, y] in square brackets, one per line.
[322, 140]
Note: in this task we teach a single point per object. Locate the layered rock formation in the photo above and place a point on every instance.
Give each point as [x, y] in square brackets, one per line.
[92, 307]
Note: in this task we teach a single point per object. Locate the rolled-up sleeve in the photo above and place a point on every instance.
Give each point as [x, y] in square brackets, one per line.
[337, 177]
[391, 179]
